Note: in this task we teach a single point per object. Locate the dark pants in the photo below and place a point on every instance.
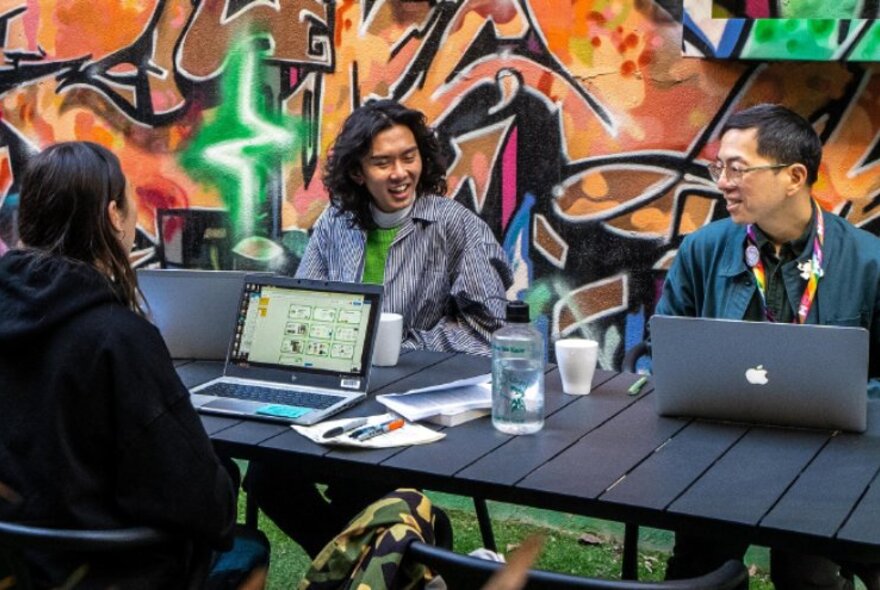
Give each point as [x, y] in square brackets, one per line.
[299, 509]
[695, 555]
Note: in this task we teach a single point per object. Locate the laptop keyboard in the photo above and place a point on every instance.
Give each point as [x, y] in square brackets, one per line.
[270, 395]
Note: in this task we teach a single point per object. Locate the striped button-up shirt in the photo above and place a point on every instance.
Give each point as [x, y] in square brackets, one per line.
[445, 273]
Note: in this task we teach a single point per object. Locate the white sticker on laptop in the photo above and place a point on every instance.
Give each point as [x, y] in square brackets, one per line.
[350, 383]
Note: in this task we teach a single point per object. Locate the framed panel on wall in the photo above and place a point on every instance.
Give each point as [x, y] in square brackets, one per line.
[809, 30]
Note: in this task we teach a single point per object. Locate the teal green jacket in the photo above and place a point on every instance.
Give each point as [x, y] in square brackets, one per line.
[709, 278]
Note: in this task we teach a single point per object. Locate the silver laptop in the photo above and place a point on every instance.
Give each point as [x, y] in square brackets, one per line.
[192, 308]
[300, 350]
[761, 372]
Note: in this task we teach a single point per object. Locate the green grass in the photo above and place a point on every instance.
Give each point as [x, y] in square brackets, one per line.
[562, 551]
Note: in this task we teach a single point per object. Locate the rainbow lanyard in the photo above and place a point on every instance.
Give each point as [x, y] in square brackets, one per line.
[811, 270]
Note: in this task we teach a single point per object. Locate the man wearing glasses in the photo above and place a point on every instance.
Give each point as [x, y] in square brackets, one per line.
[778, 258]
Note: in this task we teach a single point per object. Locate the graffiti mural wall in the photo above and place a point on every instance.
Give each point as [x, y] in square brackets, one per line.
[814, 30]
[577, 129]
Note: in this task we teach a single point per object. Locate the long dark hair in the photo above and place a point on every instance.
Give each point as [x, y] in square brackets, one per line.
[65, 192]
[353, 144]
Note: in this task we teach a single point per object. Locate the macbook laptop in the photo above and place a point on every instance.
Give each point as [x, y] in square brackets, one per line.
[300, 350]
[761, 372]
[192, 309]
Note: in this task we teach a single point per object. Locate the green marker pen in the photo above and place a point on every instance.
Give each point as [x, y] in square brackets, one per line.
[636, 387]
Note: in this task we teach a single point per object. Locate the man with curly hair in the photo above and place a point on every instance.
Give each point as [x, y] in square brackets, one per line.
[389, 223]
[442, 268]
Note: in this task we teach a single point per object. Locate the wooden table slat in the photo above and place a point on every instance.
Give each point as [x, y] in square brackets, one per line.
[752, 476]
[575, 416]
[863, 525]
[214, 424]
[661, 478]
[599, 459]
[465, 444]
[469, 443]
[198, 372]
[250, 432]
[290, 441]
[385, 379]
[822, 497]
[554, 399]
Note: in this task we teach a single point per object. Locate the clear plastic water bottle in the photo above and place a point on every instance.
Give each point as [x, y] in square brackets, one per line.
[518, 374]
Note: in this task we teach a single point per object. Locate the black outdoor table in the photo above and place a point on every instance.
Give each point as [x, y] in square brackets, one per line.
[609, 455]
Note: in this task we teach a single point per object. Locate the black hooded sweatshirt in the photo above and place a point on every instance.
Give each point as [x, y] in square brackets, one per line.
[96, 429]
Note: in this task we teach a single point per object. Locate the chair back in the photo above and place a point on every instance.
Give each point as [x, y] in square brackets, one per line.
[16, 538]
[18, 535]
[463, 572]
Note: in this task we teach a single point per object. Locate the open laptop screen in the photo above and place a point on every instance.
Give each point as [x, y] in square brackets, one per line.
[302, 328]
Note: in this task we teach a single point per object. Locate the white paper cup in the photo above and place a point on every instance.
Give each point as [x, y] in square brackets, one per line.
[576, 359]
[387, 349]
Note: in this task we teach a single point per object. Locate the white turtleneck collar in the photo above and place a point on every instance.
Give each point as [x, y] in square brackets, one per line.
[389, 220]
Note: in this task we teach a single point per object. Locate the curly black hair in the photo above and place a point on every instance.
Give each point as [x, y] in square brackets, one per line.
[353, 144]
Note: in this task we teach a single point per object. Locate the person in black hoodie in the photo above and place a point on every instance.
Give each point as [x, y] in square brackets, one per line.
[96, 429]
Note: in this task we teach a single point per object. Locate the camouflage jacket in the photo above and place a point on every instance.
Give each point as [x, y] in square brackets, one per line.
[368, 554]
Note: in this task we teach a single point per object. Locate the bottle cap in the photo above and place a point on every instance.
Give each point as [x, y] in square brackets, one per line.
[518, 312]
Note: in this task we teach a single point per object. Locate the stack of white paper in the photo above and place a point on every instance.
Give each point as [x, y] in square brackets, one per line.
[449, 398]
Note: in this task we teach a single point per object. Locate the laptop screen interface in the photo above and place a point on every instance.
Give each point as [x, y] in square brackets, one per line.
[287, 327]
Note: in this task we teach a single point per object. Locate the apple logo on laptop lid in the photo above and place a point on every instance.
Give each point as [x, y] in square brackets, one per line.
[757, 375]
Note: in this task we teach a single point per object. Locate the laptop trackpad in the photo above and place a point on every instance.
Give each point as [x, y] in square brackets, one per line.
[259, 408]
